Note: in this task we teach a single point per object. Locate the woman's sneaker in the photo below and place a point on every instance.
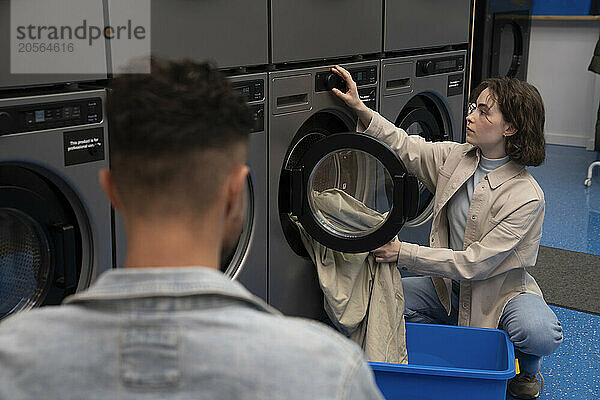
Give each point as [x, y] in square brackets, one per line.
[526, 387]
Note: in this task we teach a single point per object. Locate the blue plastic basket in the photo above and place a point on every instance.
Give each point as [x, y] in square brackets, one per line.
[450, 363]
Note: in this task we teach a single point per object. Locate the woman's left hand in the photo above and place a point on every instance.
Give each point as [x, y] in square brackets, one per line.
[387, 252]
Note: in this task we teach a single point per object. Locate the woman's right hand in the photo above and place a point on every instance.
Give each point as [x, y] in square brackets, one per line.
[351, 97]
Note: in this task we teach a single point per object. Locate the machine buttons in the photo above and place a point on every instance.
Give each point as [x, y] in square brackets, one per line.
[440, 65]
[27, 118]
[325, 81]
[250, 90]
[427, 67]
[258, 114]
[364, 76]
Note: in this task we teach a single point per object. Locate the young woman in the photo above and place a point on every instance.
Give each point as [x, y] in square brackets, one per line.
[487, 223]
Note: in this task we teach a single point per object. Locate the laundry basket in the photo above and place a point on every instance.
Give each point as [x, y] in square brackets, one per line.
[450, 363]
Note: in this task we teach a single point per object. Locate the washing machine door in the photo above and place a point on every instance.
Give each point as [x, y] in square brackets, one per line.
[349, 191]
[40, 242]
[422, 117]
[509, 46]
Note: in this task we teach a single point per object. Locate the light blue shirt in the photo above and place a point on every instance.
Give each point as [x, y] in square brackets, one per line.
[176, 333]
[458, 205]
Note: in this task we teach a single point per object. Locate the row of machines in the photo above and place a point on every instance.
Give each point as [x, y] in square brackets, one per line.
[410, 61]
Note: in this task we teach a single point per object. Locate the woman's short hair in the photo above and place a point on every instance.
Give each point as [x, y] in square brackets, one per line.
[522, 107]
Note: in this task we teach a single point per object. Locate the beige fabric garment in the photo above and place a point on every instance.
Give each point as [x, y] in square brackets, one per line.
[363, 299]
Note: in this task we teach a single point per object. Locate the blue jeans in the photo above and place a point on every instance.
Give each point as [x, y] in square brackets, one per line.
[531, 325]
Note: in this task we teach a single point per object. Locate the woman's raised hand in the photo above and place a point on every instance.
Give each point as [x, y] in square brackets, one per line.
[351, 97]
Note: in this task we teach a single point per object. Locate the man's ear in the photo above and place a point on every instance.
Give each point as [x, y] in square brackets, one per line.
[236, 184]
[106, 181]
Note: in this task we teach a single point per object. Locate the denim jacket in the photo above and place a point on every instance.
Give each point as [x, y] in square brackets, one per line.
[177, 333]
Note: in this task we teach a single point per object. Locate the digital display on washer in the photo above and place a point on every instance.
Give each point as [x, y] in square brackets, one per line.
[446, 64]
[40, 116]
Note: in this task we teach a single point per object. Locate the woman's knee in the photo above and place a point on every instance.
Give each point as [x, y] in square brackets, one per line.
[542, 341]
[533, 326]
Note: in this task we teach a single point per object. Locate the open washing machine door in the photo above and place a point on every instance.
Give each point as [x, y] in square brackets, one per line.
[421, 116]
[40, 242]
[349, 191]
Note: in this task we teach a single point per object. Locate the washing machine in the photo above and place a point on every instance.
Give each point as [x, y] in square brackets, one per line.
[501, 39]
[315, 29]
[231, 33]
[55, 221]
[315, 152]
[95, 61]
[424, 95]
[416, 25]
[248, 261]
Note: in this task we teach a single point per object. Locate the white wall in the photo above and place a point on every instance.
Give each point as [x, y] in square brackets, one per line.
[559, 54]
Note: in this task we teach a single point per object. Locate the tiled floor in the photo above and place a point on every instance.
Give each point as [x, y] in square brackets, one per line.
[572, 220]
[573, 372]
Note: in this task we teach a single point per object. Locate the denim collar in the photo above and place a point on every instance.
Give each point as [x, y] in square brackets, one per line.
[138, 283]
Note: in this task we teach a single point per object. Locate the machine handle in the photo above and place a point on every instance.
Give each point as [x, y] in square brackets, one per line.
[297, 191]
[411, 186]
[66, 260]
[293, 100]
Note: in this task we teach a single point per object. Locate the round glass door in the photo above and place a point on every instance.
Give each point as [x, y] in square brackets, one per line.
[510, 50]
[40, 242]
[350, 192]
[347, 194]
[421, 116]
[233, 255]
[26, 267]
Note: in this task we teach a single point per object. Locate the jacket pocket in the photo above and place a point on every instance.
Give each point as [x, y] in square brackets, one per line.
[150, 357]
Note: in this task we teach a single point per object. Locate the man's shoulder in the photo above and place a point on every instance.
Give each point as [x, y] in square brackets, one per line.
[301, 333]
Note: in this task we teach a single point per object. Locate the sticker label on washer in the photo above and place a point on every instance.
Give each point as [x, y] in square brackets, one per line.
[455, 85]
[83, 146]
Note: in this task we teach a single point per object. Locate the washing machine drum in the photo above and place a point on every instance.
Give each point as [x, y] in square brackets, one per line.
[350, 192]
[39, 241]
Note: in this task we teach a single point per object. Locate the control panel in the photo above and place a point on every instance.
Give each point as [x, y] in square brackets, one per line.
[42, 116]
[327, 80]
[253, 91]
[440, 65]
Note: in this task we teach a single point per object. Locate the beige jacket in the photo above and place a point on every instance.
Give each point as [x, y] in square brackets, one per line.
[502, 234]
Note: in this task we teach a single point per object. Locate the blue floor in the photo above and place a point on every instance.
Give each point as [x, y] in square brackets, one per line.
[572, 220]
[573, 372]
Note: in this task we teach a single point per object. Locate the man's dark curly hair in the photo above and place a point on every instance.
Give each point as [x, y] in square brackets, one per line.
[173, 135]
[522, 107]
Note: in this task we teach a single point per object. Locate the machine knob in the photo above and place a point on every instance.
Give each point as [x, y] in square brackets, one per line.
[427, 67]
[334, 81]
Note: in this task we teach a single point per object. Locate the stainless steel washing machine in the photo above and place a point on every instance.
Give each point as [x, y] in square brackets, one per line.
[424, 95]
[316, 29]
[314, 155]
[97, 60]
[501, 39]
[423, 24]
[232, 33]
[248, 261]
[55, 221]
